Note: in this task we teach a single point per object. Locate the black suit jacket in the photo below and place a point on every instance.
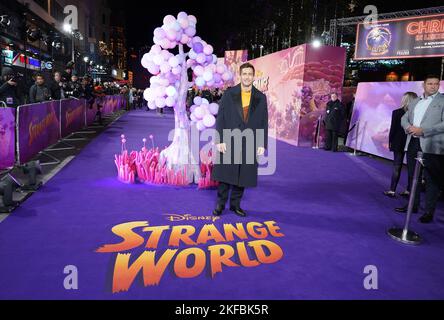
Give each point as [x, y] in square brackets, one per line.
[335, 115]
[397, 135]
[230, 116]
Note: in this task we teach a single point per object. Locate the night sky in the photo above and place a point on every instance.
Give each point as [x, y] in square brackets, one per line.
[218, 19]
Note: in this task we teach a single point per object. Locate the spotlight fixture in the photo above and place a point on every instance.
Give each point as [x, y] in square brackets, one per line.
[8, 184]
[32, 170]
[5, 21]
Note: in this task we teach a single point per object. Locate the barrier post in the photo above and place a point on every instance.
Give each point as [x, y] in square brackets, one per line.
[356, 139]
[405, 235]
[318, 133]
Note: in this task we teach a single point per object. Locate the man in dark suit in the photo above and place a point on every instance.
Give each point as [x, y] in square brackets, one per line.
[334, 117]
[242, 109]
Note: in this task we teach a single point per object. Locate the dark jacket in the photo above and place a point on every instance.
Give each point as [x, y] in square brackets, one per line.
[335, 115]
[230, 116]
[55, 89]
[38, 93]
[9, 94]
[397, 135]
[74, 89]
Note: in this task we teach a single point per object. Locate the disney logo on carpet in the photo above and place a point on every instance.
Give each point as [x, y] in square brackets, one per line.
[188, 217]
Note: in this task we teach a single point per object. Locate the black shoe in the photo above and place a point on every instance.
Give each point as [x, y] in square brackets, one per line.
[390, 194]
[404, 194]
[238, 211]
[218, 211]
[405, 208]
[426, 218]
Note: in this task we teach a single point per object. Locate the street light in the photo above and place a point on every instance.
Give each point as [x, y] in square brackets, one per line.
[86, 59]
[260, 48]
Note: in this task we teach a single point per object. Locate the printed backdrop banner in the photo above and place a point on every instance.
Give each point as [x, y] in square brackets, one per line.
[421, 36]
[38, 128]
[7, 137]
[298, 82]
[72, 116]
[233, 60]
[374, 104]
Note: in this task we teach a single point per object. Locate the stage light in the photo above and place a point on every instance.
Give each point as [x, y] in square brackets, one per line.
[5, 21]
[32, 170]
[316, 43]
[86, 59]
[8, 184]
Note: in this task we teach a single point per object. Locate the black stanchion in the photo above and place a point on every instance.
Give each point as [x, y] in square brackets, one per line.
[405, 235]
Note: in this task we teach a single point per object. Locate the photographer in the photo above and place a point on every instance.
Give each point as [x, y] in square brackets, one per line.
[9, 92]
[39, 92]
[66, 75]
[88, 91]
[74, 88]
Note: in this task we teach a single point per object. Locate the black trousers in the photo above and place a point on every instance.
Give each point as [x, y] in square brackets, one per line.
[398, 157]
[433, 175]
[331, 140]
[222, 195]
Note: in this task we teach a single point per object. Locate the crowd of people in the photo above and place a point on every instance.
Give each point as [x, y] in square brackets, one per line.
[62, 85]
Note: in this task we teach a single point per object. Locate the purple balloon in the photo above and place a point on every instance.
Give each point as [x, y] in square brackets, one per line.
[209, 58]
[201, 58]
[190, 31]
[217, 77]
[198, 47]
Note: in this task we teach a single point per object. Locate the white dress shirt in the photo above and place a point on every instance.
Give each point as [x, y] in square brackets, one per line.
[421, 108]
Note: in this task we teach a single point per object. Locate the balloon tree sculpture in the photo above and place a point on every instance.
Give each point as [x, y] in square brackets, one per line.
[169, 87]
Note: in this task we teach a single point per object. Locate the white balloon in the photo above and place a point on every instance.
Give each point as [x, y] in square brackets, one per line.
[197, 101]
[156, 49]
[173, 61]
[158, 59]
[209, 120]
[152, 104]
[200, 126]
[160, 102]
[170, 101]
[214, 108]
[170, 91]
[199, 112]
[205, 101]
[208, 75]
[192, 54]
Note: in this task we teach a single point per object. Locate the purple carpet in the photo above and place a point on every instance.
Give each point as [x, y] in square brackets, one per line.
[329, 206]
